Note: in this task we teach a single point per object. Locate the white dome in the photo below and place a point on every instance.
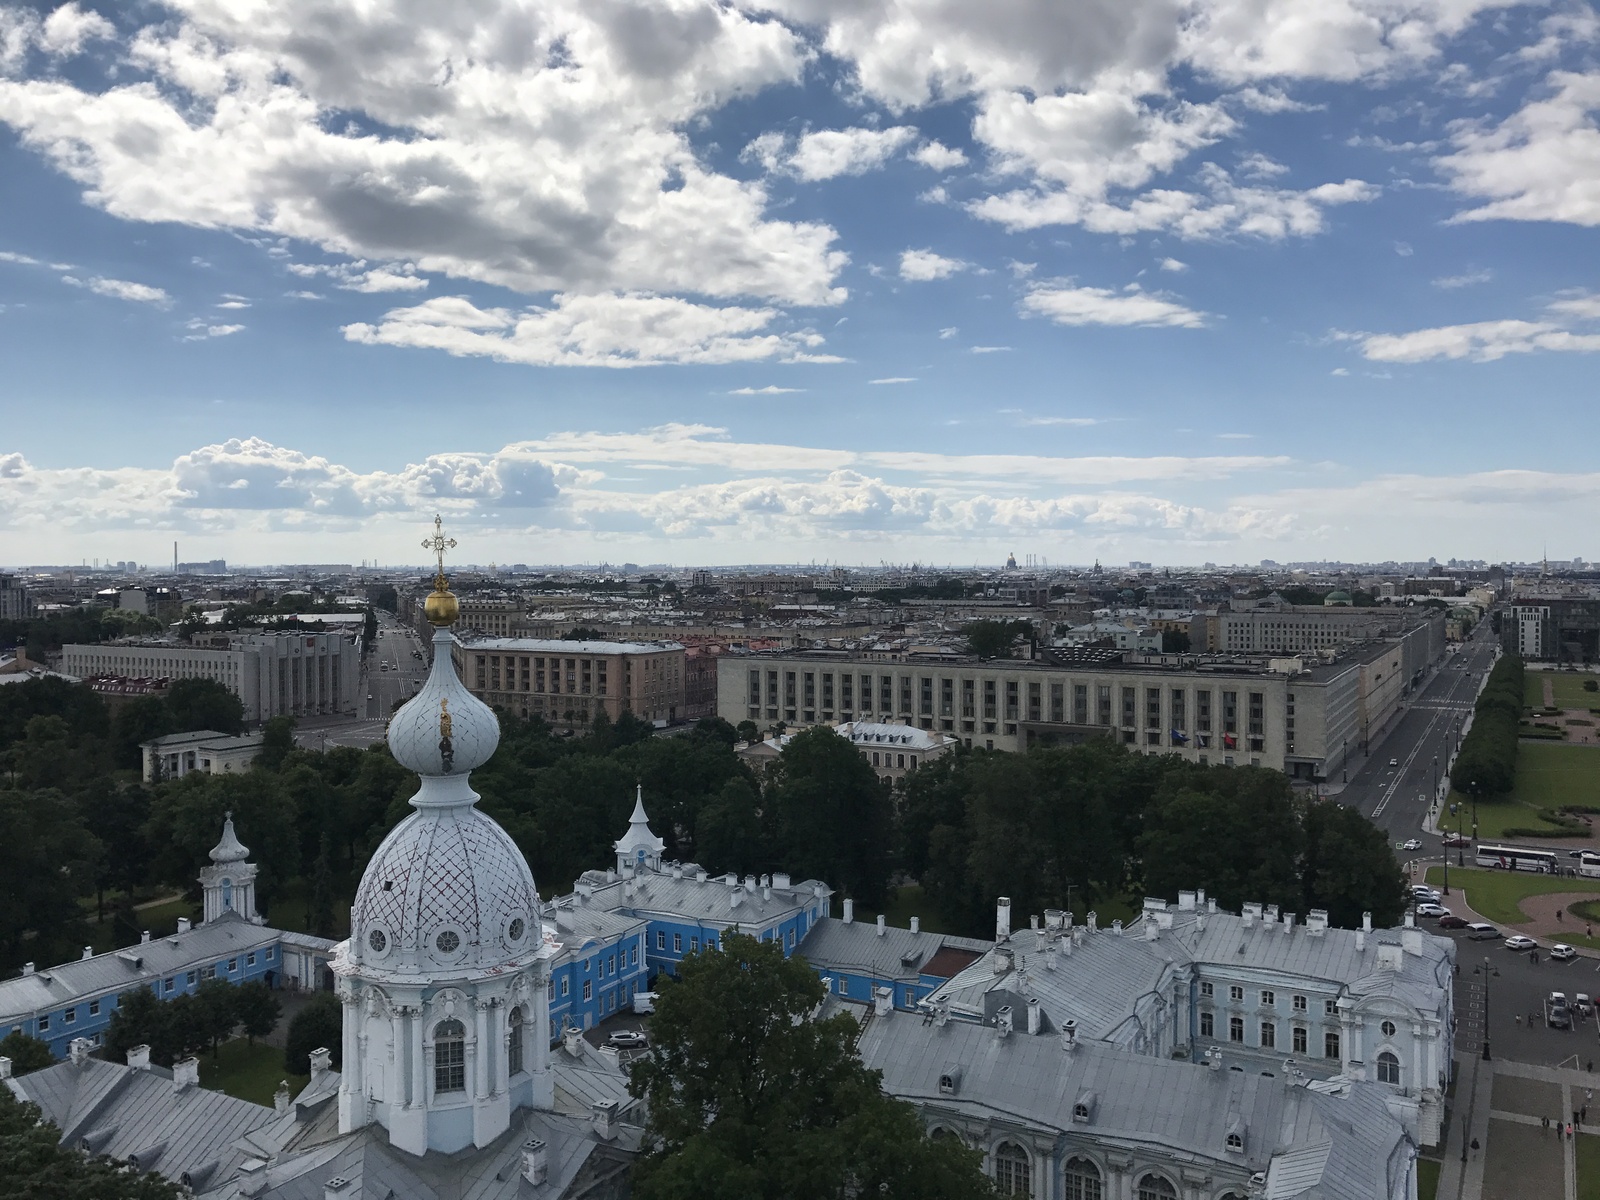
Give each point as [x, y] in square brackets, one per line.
[448, 892]
[444, 729]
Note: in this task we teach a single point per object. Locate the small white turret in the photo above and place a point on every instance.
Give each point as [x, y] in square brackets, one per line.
[639, 848]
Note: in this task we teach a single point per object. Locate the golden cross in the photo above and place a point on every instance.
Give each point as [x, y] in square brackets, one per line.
[438, 543]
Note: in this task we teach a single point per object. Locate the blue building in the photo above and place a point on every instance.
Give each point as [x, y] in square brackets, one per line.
[76, 999]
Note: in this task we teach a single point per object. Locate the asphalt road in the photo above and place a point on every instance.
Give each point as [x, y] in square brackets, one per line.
[393, 672]
[1396, 799]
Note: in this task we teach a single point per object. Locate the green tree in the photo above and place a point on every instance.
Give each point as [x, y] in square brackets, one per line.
[47, 860]
[729, 835]
[748, 731]
[26, 1053]
[319, 914]
[715, 729]
[257, 1008]
[833, 818]
[277, 742]
[139, 720]
[216, 1012]
[1349, 867]
[317, 1026]
[34, 1165]
[369, 630]
[995, 639]
[750, 1097]
[197, 704]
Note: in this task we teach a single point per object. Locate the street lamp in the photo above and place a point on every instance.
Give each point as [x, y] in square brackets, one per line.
[1486, 970]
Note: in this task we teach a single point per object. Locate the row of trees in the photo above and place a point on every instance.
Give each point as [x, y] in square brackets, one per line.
[1487, 764]
[39, 636]
[192, 1021]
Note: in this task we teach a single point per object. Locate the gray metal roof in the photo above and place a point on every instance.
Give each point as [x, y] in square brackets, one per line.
[579, 926]
[707, 902]
[1334, 1146]
[116, 971]
[861, 949]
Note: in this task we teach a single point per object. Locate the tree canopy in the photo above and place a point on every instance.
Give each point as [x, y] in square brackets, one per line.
[749, 1097]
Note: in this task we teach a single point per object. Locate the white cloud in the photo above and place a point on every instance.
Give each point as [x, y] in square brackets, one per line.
[829, 153]
[1260, 166]
[1172, 264]
[1340, 371]
[923, 265]
[537, 148]
[610, 330]
[1481, 341]
[1236, 437]
[1541, 163]
[1076, 422]
[771, 389]
[895, 379]
[359, 277]
[1465, 279]
[121, 289]
[1270, 100]
[67, 28]
[200, 331]
[1068, 305]
[1585, 306]
[305, 295]
[948, 332]
[939, 156]
[988, 349]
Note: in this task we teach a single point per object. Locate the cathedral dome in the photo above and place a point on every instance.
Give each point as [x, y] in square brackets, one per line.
[447, 892]
[443, 730]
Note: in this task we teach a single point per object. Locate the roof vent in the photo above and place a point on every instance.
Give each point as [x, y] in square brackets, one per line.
[336, 1188]
[1002, 1020]
[535, 1161]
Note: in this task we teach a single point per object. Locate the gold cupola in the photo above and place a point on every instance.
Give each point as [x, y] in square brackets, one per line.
[441, 607]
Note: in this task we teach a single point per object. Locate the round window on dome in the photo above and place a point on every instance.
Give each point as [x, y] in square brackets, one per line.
[516, 929]
[448, 942]
[378, 941]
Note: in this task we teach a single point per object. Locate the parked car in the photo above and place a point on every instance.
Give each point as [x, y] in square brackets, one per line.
[1452, 922]
[1558, 1016]
[1582, 1005]
[1518, 941]
[627, 1039]
[1561, 951]
[1456, 839]
[1480, 931]
[1421, 891]
[1411, 844]
[1432, 910]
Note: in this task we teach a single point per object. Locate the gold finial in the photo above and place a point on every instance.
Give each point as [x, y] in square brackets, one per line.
[441, 607]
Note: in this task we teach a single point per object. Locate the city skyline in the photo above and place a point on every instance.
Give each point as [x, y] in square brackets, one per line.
[799, 281]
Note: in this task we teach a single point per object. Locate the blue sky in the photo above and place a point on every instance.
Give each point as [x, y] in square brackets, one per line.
[841, 280]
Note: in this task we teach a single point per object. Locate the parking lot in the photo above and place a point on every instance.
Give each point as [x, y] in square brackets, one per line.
[1517, 988]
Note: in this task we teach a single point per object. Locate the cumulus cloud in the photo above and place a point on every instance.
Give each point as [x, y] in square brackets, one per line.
[1068, 305]
[1172, 264]
[121, 289]
[358, 276]
[939, 156]
[830, 153]
[200, 331]
[1541, 163]
[67, 28]
[610, 330]
[920, 266]
[1480, 341]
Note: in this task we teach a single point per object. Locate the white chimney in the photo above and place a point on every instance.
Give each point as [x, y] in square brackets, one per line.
[1069, 1035]
[605, 1115]
[882, 1001]
[1093, 921]
[1288, 922]
[1116, 926]
[780, 880]
[916, 924]
[766, 890]
[1200, 899]
[184, 924]
[5, 1067]
[1186, 901]
[144, 937]
[677, 870]
[849, 910]
[1317, 922]
[252, 1177]
[535, 1162]
[572, 1040]
[1366, 922]
[1361, 941]
[1152, 930]
[321, 1062]
[750, 884]
[88, 952]
[185, 1073]
[1211, 905]
[78, 1051]
[1002, 919]
[1411, 939]
[139, 1057]
[883, 924]
[280, 1098]
[1002, 1020]
[1035, 1016]
[1411, 919]
[28, 968]
[1050, 957]
[612, 1055]
[337, 1188]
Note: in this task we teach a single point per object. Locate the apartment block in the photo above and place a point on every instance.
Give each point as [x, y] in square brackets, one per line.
[574, 682]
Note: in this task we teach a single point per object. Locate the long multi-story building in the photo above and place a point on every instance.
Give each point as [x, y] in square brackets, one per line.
[1303, 715]
[575, 681]
[273, 674]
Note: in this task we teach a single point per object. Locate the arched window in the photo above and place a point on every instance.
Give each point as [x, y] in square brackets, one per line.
[1082, 1179]
[1153, 1187]
[449, 1057]
[227, 894]
[942, 1133]
[1388, 1068]
[1013, 1170]
[514, 1046]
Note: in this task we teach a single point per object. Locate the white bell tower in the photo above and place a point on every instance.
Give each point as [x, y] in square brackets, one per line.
[229, 883]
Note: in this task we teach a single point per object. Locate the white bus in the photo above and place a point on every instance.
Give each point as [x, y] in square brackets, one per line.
[1589, 864]
[1518, 858]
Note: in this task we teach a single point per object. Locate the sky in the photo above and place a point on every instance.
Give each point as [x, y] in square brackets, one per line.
[832, 281]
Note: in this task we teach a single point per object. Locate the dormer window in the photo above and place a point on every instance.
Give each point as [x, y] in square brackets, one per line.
[1080, 1112]
[949, 1081]
[1236, 1143]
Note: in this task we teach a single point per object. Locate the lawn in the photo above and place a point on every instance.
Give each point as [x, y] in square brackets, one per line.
[1550, 776]
[1495, 894]
[1495, 819]
[160, 919]
[1588, 1155]
[1567, 685]
[1427, 1178]
[248, 1072]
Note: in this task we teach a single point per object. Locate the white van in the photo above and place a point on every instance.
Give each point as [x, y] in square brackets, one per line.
[1482, 930]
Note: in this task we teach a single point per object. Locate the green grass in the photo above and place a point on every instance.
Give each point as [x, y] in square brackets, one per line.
[1588, 1154]
[1427, 1178]
[248, 1072]
[1496, 894]
[160, 919]
[1495, 819]
[1567, 685]
[1550, 776]
[910, 901]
